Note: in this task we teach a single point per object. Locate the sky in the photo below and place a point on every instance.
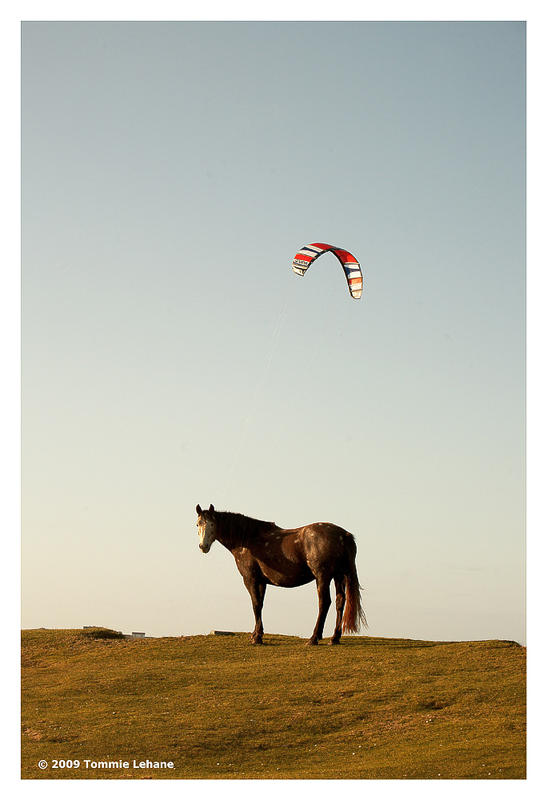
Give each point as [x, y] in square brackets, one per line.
[170, 356]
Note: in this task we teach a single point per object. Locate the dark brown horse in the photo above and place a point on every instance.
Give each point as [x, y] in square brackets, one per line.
[266, 554]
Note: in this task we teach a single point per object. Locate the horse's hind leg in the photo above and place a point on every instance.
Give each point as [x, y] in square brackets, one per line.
[340, 603]
[323, 594]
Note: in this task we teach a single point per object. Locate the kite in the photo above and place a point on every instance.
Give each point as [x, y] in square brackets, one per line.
[308, 254]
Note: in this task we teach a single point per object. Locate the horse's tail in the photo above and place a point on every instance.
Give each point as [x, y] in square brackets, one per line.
[354, 616]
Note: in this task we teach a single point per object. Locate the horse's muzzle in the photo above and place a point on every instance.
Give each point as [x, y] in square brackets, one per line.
[205, 548]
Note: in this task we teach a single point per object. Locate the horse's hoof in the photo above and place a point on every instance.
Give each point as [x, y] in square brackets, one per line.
[256, 641]
[334, 641]
[312, 641]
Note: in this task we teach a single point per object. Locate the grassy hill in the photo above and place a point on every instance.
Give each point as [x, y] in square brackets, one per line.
[218, 707]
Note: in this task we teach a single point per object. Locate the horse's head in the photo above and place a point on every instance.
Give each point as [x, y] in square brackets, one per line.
[206, 528]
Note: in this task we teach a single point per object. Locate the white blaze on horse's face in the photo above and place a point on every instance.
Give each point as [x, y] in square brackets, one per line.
[205, 533]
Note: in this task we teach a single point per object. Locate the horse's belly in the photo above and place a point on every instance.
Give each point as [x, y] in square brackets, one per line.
[287, 581]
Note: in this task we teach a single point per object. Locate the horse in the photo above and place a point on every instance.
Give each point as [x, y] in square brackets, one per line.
[266, 554]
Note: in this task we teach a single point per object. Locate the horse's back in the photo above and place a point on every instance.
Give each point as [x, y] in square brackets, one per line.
[326, 531]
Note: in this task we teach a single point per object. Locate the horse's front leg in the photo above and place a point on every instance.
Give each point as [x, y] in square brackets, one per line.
[323, 594]
[257, 590]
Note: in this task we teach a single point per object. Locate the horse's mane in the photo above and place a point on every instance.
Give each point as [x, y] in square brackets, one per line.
[237, 530]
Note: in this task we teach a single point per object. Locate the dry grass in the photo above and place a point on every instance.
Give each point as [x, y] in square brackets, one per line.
[217, 707]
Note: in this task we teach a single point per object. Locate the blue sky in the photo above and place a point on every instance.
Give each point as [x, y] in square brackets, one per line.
[171, 357]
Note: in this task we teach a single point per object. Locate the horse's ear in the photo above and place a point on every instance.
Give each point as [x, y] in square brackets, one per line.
[198, 509]
[211, 508]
